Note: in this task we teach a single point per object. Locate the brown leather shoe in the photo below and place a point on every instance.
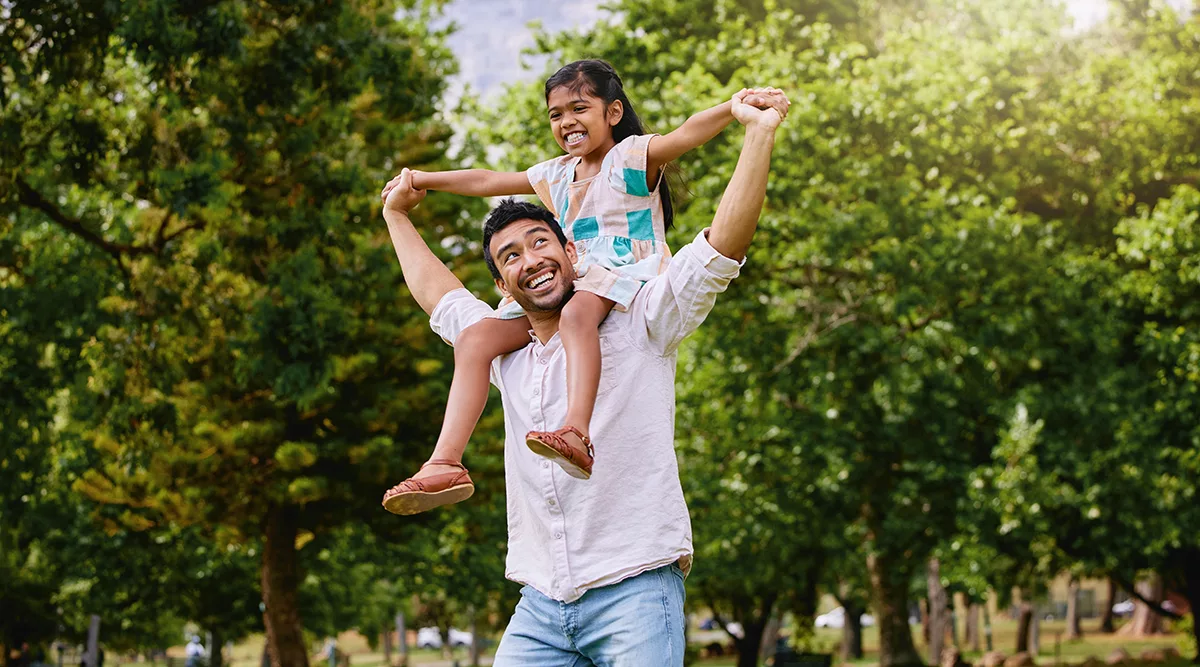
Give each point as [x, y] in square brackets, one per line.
[552, 445]
[413, 496]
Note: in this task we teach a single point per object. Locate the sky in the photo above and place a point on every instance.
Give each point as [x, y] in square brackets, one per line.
[492, 33]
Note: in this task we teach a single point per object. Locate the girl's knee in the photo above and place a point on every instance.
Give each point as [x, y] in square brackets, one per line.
[471, 344]
[584, 311]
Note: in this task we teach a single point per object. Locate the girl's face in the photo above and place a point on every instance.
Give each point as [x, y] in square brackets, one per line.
[582, 123]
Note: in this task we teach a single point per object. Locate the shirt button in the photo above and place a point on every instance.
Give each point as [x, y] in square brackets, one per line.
[545, 464]
[552, 502]
[558, 536]
[543, 362]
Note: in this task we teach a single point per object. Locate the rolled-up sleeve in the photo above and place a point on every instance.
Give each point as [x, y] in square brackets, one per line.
[674, 304]
[456, 311]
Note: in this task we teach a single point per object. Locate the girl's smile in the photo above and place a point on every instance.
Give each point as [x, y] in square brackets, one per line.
[582, 122]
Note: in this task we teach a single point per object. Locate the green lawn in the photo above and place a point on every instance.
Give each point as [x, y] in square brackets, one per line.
[1053, 648]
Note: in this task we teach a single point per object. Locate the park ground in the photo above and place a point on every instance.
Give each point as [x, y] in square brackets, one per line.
[1054, 649]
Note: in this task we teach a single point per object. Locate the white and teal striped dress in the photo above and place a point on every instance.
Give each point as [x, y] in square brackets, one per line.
[614, 218]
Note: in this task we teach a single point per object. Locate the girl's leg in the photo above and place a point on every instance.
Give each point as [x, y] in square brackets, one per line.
[437, 484]
[474, 350]
[579, 328]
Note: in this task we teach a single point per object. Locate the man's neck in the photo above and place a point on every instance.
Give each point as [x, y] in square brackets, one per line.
[544, 325]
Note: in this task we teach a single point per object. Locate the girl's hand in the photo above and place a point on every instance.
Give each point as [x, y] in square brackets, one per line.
[775, 98]
[760, 107]
[399, 195]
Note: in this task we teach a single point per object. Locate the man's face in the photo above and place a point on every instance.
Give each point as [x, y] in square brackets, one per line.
[535, 269]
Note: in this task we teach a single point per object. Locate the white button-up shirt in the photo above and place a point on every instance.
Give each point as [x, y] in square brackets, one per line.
[565, 535]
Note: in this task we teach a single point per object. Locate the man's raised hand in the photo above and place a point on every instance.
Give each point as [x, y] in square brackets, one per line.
[762, 107]
[399, 195]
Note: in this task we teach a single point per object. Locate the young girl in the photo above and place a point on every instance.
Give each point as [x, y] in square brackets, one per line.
[611, 200]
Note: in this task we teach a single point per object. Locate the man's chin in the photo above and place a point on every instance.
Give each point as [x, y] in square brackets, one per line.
[547, 303]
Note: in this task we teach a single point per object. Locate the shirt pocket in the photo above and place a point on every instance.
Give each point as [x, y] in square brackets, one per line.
[614, 349]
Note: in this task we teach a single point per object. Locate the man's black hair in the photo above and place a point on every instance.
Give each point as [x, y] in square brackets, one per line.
[508, 212]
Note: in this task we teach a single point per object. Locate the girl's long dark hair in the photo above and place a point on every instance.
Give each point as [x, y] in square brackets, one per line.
[601, 80]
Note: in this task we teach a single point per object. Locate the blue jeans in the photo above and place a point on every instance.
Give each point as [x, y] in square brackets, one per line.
[634, 623]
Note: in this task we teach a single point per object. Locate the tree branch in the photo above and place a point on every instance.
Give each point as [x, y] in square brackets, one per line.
[1154, 606]
[160, 236]
[34, 199]
[175, 234]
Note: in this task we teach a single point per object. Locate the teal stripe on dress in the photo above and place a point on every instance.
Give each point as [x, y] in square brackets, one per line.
[635, 182]
[624, 249]
[641, 225]
[585, 228]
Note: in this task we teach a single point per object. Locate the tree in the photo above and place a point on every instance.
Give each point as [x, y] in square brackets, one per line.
[250, 370]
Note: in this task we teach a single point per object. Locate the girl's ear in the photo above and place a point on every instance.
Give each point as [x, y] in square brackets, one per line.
[616, 111]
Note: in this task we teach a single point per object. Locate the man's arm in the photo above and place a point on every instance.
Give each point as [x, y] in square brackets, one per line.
[427, 278]
[737, 215]
[676, 303]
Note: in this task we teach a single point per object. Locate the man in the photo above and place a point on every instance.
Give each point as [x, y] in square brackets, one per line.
[194, 651]
[602, 560]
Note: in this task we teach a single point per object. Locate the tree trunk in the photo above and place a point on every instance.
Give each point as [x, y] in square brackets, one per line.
[1024, 621]
[1035, 635]
[1106, 621]
[280, 581]
[852, 643]
[1074, 631]
[766, 648]
[93, 641]
[387, 646]
[973, 626]
[474, 641]
[402, 639]
[747, 647]
[889, 592]
[937, 611]
[1191, 583]
[987, 628]
[215, 657]
[1145, 620]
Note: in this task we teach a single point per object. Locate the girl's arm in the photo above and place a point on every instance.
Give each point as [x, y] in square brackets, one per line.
[474, 182]
[701, 128]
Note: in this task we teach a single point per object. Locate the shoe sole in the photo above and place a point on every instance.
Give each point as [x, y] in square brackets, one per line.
[563, 462]
[416, 502]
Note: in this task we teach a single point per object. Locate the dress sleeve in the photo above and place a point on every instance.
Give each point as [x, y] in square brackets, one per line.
[540, 176]
[627, 173]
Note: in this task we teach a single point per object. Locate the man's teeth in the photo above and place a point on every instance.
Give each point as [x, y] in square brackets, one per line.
[538, 282]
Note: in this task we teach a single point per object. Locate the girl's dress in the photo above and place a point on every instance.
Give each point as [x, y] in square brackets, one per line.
[615, 220]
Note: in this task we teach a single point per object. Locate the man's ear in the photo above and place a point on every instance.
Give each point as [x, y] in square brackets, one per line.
[572, 253]
[616, 111]
[502, 287]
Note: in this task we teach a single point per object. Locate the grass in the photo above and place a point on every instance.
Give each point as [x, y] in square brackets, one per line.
[1054, 649]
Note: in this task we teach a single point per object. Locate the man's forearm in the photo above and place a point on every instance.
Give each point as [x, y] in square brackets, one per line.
[426, 276]
[741, 205]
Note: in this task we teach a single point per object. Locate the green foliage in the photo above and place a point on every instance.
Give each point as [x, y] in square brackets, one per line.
[967, 328]
[926, 340]
[223, 324]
